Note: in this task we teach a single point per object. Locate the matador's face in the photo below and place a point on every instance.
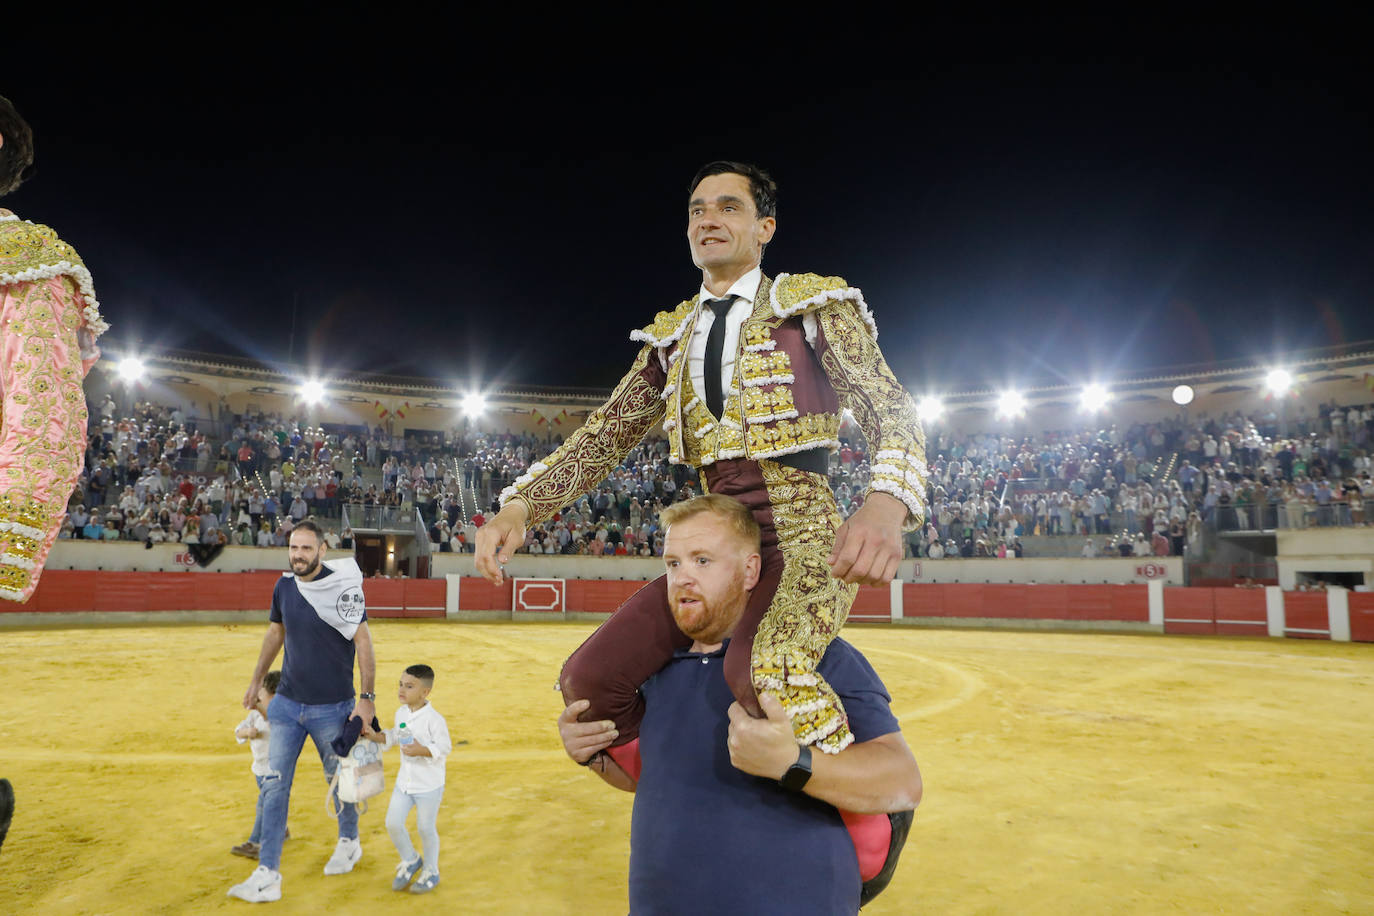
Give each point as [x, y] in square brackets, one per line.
[724, 230]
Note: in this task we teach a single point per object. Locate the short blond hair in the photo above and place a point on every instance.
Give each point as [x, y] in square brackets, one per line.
[730, 510]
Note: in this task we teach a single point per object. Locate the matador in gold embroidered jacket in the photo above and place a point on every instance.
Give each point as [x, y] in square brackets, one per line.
[807, 351]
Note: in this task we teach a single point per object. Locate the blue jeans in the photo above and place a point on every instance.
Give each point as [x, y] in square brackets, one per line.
[426, 814]
[256, 835]
[291, 722]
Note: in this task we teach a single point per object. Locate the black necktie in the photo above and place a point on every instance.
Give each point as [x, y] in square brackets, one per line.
[715, 344]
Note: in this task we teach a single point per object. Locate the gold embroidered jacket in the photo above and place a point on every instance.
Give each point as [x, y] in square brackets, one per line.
[808, 350]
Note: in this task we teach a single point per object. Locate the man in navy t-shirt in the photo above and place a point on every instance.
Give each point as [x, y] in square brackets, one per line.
[319, 615]
[730, 815]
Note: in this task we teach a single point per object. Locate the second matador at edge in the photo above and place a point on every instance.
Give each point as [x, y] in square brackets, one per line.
[749, 379]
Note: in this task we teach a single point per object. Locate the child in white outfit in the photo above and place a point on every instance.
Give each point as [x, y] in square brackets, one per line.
[422, 735]
[256, 731]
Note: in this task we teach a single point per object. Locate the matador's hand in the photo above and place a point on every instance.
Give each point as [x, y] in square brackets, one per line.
[498, 539]
[868, 547]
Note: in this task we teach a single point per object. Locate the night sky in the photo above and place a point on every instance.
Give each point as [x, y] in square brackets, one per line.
[1037, 205]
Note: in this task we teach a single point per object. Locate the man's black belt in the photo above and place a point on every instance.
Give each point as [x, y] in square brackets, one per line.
[815, 460]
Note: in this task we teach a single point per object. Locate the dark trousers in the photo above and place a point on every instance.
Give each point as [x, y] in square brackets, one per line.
[641, 637]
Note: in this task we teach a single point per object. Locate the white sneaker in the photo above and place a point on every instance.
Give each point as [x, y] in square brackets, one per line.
[262, 886]
[346, 854]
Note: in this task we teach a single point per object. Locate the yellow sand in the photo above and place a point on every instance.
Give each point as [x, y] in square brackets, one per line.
[1065, 774]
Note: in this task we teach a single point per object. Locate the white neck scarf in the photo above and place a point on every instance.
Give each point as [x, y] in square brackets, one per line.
[337, 598]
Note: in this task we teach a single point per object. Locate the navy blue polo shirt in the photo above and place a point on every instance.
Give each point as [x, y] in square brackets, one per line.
[708, 838]
[318, 665]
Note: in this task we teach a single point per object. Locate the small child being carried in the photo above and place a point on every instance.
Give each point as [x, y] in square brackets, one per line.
[422, 735]
[256, 732]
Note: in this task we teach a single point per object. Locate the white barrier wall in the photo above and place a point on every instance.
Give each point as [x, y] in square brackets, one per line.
[134, 557]
[1047, 570]
[123, 555]
[1325, 550]
[528, 566]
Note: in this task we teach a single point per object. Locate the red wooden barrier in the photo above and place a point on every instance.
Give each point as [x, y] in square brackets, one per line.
[1241, 611]
[121, 591]
[922, 600]
[66, 590]
[1045, 602]
[256, 591]
[963, 600]
[31, 606]
[1361, 616]
[1190, 610]
[602, 596]
[998, 600]
[1012, 601]
[385, 597]
[1305, 616]
[873, 602]
[424, 597]
[477, 594]
[171, 592]
[1131, 602]
[220, 592]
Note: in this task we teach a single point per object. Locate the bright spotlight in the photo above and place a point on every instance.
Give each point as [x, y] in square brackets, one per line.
[1183, 395]
[1010, 404]
[474, 405]
[1278, 381]
[930, 408]
[1094, 398]
[312, 392]
[131, 369]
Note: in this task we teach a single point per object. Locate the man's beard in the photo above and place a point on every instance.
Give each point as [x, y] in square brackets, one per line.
[309, 570]
[715, 620]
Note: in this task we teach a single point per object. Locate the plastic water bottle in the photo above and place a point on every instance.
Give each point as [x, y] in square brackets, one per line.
[404, 736]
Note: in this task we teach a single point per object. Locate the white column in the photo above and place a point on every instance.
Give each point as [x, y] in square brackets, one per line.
[894, 590]
[1338, 614]
[451, 595]
[1154, 590]
[1273, 607]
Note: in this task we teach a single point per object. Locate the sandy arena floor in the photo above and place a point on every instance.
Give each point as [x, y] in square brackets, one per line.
[1064, 773]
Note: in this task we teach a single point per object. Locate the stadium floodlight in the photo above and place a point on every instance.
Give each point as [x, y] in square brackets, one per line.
[312, 391]
[1278, 381]
[1010, 404]
[930, 408]
[131, 369]
[474, 404]
[1183, 395]
[1093, 398]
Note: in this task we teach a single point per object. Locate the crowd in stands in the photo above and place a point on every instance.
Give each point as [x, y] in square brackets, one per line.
[1148, 489]
[1142, 490]
[153, 477]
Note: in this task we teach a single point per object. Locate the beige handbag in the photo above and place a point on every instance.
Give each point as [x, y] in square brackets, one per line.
[358, 777]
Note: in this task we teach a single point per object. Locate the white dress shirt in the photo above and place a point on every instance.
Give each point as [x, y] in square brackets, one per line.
[744, 289]
[419, 775]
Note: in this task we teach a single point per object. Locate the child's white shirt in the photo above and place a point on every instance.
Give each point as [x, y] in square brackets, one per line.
[421, 774]
[260, 745]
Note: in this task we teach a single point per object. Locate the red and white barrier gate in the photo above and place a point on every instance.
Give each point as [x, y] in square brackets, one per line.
[540, 596]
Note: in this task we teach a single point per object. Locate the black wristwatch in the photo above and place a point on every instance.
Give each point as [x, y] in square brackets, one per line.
[798, 773]
[370, 697]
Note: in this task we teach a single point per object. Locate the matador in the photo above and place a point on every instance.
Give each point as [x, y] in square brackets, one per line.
[750, 390]
[49, 321]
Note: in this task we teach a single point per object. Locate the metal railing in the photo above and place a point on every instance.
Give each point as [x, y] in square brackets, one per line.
[382, 518]
[1273, 516]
